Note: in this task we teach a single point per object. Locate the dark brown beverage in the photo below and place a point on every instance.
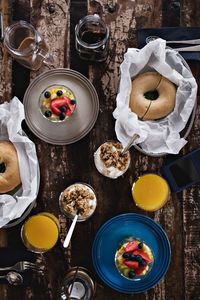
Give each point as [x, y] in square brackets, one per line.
[92, 37]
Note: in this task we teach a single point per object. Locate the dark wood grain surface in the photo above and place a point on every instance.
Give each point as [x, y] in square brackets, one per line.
[63, 165]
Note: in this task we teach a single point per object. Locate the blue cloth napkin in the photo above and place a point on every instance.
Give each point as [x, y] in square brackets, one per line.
[172, 34]
[10, 256]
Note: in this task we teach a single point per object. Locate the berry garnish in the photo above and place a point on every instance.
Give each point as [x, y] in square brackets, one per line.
[131, 264]
[47, 94]
[138, 258]
[142, 263]
[56, 104]
[131, 246]
[143, 254]
[73, 101]
[140, 245]
[126, 255]
[133, 257]
[131, 274]
[48, 113]
[62, 116]
[59, 93]
[63, 108]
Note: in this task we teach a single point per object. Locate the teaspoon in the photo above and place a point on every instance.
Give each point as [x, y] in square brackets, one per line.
[190, 42]
[13, 278]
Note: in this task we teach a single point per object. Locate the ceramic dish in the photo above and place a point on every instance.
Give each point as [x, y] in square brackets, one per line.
[118, 228]
[79, 123]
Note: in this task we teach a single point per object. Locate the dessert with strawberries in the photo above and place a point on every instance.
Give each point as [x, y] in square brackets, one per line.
[57, 103]
[134, 259]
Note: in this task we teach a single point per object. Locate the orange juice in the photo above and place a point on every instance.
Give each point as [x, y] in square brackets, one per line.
[150, 192]
[40, 232]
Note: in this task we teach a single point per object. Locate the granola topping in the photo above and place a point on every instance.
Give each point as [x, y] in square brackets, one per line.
[79, 197]
[109, 160]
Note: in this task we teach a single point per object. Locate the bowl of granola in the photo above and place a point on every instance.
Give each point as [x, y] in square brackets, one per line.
[78, 197]
[110, 161]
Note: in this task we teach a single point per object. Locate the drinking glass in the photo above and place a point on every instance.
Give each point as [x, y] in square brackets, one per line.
[27, 46]
[150, 192]
[91, 38]
[40, 232]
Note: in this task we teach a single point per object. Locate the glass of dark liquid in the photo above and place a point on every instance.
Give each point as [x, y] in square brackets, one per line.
[91, 41]
[27, 46]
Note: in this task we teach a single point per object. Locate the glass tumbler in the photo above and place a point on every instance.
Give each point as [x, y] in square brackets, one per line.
[40, 232]
[27, 46]
[91, 38]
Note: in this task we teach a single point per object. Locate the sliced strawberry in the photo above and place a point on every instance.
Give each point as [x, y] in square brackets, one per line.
[139, 270]
[68, 112]
[131, 264]
[131, 246]
[143, 254]
[56, 104]
[71, 106]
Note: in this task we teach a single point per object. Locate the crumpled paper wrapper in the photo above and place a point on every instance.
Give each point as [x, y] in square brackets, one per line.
[12, 207]
[160, 136]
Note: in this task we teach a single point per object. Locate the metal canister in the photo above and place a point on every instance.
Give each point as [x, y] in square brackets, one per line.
[77, 284]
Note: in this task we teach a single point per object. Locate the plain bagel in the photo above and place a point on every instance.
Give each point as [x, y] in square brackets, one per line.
[147, 109]
[9, 167]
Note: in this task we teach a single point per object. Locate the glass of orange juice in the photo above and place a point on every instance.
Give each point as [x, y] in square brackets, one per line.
[150, 192]
[40, 232]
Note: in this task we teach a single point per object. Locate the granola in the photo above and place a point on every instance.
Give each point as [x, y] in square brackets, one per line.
[79, 197]
[110, 161]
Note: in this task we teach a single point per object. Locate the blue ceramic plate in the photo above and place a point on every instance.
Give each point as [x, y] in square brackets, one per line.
[107, 242]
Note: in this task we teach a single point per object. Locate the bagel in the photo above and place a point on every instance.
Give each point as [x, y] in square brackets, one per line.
[149, 109]
[9, 167]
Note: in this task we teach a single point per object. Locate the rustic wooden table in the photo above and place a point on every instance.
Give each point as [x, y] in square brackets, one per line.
[63, 165]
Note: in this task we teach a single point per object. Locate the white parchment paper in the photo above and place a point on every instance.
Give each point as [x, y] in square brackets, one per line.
[12, 207]
[161, 136]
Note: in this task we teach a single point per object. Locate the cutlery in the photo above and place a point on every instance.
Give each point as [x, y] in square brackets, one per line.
[133, 138]
[188, 49]
[191, 42]
[21, 266]
[13, 278]
[71, 229]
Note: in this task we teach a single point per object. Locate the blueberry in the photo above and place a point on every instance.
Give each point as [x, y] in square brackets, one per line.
[140, 245]
[62, 116]
[142, 263]
[59, 93]
[47, 94]
[63, 108]
[48, 113]
[51, 9]
[133, 257]
[131, 274]
[138, 258]
[73, 101]
[126, 255]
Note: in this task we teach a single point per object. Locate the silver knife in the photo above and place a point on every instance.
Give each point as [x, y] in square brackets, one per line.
[1, 27]
[188, 49]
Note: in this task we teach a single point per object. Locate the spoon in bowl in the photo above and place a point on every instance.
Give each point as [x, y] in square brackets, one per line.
[13, 278]
[71, 229]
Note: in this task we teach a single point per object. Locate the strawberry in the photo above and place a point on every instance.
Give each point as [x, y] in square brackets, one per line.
[131, 246]
[143, 254]
[68, 112]
[131, 264]
[56, 104]
[139, 270]
[71, 106]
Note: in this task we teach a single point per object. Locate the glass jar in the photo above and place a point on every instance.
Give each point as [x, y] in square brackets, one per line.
[91, 38]
[77, 284]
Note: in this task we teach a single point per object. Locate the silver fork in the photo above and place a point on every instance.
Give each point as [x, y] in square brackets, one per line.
[22, 266]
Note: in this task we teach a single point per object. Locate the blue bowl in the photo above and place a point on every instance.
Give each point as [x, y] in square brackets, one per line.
[107, 242]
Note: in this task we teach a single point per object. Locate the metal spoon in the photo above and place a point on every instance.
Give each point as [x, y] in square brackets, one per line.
[133, 138]
[13, 278]
[71, 229]
[190, 42]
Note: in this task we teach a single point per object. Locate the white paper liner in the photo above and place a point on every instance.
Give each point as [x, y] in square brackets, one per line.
[161, 136]
[11, 117]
